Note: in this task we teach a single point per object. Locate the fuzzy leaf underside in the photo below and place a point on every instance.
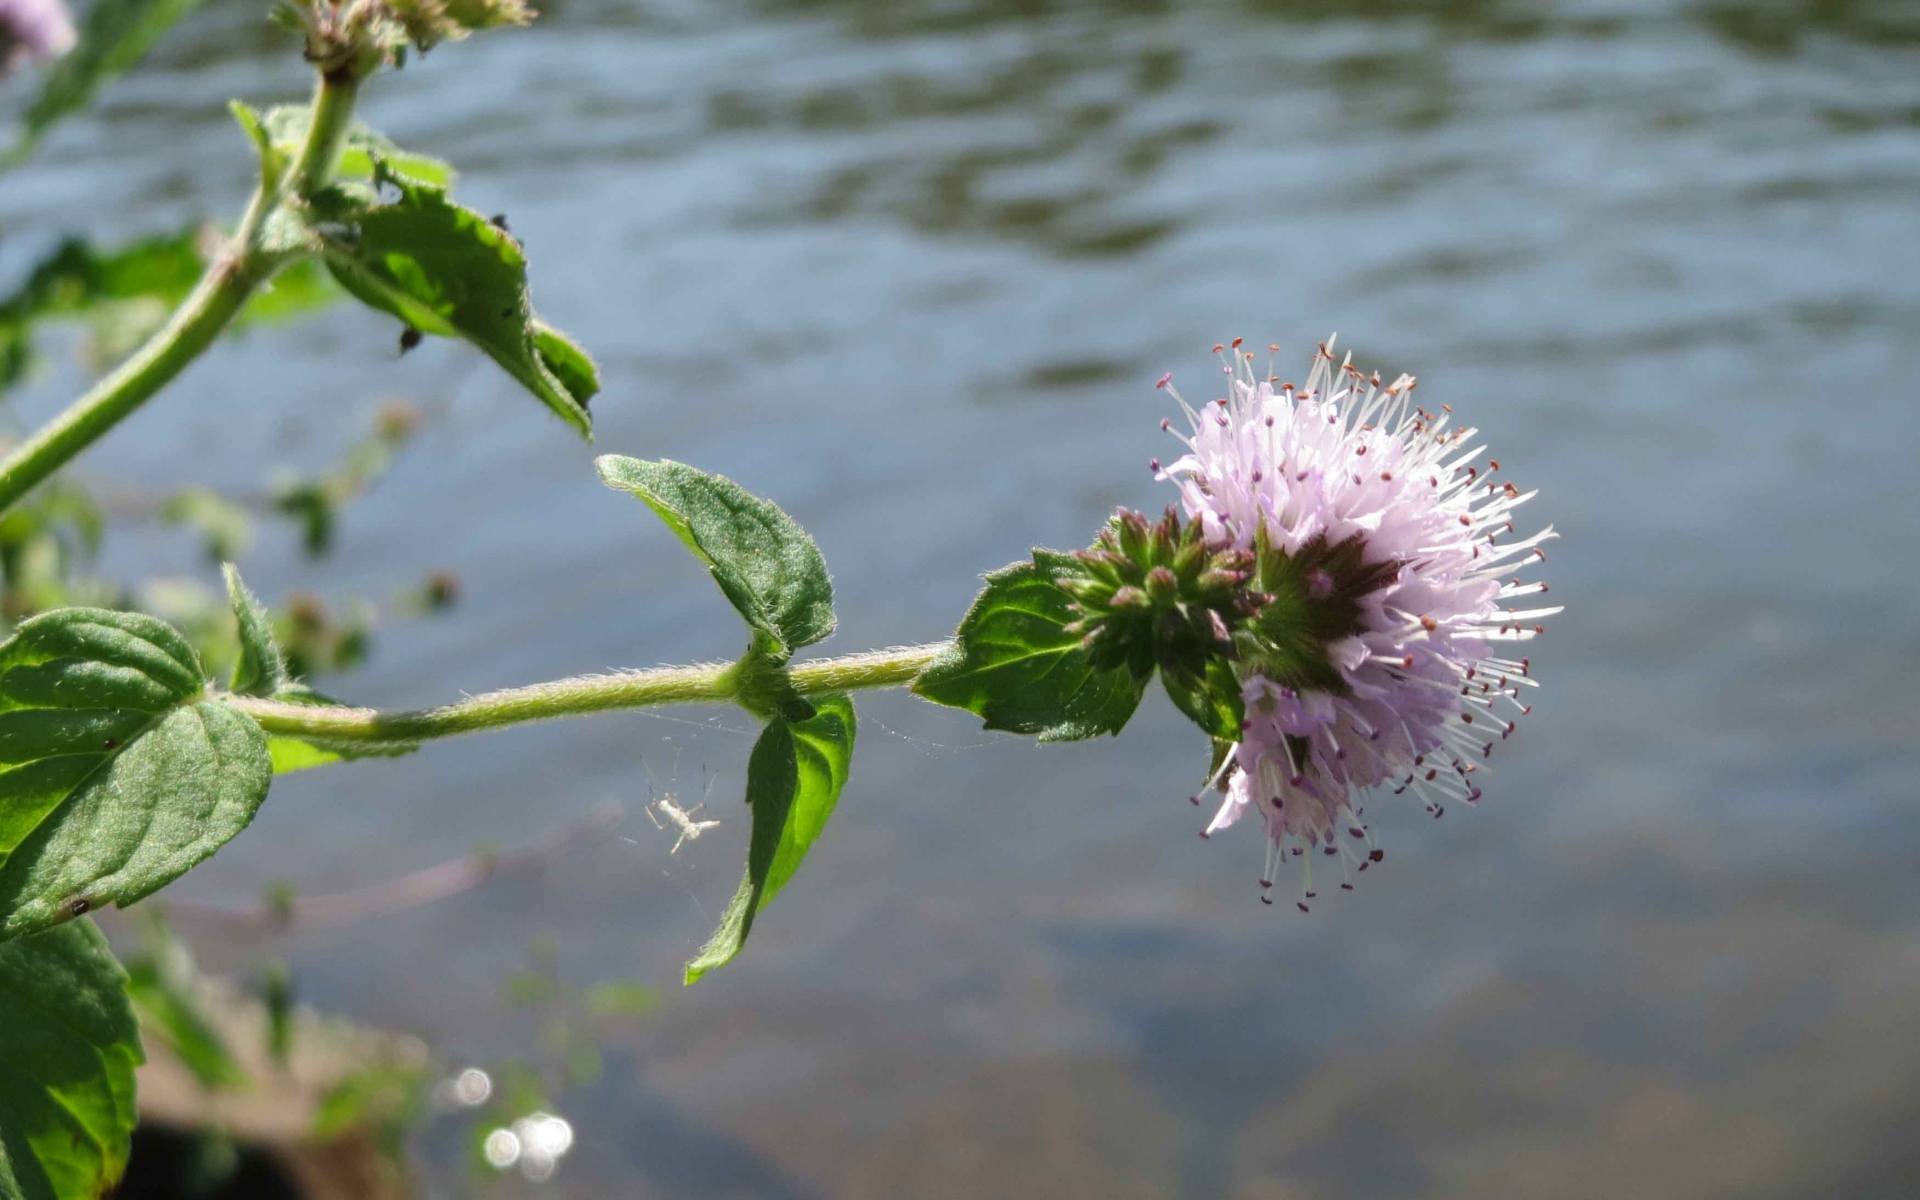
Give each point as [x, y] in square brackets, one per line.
[794, 779]
[67, 1056]
[1014, 663]
[116, 773]
[768, 568]
[446, 270]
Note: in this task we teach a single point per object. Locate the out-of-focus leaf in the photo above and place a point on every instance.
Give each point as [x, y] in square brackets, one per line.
[794, 778]
[66, 1066]
[163, 984]
[382, 1098]
[278, 987]
[620, 999]
[223, 525]
[115, 35]
[126, 293]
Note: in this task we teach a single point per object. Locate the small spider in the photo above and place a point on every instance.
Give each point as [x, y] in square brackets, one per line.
[679, 818]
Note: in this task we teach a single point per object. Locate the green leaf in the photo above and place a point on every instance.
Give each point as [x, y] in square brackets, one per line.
[273, 160]
[447, 270]
[765, 564]
[292, 754]
[294, 291]
[66, 1066]
[568, 360]
[1213, 703]
[163, 985]
[116, 35]
[794, 779]
[117, 773]
[1014, 663]
[260, 670]
[285, 127]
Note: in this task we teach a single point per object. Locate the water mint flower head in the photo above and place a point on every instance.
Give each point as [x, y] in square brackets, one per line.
[33, 29]
[1387, 553]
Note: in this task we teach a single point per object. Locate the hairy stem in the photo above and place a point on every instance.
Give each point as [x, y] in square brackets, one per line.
[219, 296]
[331, 117]
[707, 684]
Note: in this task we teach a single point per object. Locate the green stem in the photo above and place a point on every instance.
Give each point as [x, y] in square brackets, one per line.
[708, 684]
[327, 125]
[219, 296]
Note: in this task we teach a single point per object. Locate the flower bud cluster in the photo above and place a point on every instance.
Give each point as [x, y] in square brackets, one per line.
[349, 39]
[1158, 594]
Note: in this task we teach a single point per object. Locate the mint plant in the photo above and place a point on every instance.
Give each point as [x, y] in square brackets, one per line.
[1322, 602]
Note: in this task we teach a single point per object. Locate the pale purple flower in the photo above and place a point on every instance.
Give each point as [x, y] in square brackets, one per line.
[1380, 506]
[33, 29]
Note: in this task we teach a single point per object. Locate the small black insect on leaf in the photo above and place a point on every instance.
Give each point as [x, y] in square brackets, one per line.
[409, 338]
[499, 221]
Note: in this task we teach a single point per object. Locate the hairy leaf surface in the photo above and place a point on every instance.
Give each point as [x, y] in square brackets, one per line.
[767, 566]
[261, 670]
[117, 774]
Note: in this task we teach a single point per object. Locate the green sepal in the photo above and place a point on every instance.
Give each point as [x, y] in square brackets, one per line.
[117, 772]
[794, 779]
[766, 565]
[1288, 640]
[1015, 663]
[448, 271]
[66, 1066]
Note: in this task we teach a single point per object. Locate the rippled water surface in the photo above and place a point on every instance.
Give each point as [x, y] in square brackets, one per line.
[911, 268]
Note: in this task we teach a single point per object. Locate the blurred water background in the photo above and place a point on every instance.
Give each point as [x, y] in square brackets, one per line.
[910, 268]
